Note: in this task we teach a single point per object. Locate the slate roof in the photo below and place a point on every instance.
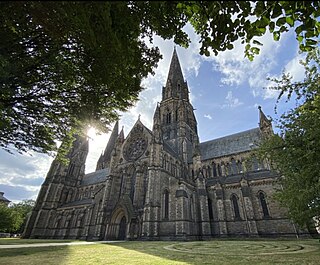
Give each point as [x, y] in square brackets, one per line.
[95, 177]
[3, 199]
[257, 175]
[231, 144]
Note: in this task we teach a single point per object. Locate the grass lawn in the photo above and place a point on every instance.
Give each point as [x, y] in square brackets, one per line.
[198, 252]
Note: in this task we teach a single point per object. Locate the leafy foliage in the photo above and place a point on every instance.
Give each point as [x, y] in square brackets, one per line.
[14, 217]
[295, 151]
[69, 64]
[221, 23]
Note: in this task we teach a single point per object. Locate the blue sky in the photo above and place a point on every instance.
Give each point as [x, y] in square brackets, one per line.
[225, 91]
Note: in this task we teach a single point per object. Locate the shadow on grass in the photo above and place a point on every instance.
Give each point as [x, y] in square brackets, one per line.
[226, 251]
[34, 255]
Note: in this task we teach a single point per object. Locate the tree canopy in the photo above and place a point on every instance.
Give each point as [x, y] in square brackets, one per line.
[14, 217]
[64, 65]
[294, 152]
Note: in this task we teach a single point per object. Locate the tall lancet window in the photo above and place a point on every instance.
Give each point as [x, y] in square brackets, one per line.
[165, 203]
[264, 205]
[234, 200]
[168, 118]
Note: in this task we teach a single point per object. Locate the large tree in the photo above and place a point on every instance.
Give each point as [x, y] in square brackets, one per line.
[10, 220]
[64, 65]
[13, 218]
[294, 151]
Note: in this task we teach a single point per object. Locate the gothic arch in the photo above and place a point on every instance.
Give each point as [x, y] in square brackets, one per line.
[165, 204]
[263, 203]
[235, 204]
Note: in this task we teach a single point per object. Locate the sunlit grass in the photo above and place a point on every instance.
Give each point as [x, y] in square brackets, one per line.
[201, 252]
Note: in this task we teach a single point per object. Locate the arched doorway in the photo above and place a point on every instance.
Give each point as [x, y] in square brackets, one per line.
[122, 228]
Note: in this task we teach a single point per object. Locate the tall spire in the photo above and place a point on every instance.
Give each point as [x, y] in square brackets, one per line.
[175, 86]
[265, 124]
[105, 158]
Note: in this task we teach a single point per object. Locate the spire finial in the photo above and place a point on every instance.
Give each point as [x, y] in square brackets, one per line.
[139, 116]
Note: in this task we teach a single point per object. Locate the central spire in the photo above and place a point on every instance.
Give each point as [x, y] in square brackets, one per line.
[175, 86]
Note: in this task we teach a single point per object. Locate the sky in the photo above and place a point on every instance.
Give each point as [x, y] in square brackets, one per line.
[225, 91]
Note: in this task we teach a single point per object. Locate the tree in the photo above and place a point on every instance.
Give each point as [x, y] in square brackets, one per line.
[64, 65]
[13, 218]
[294, 152]
[23, 209]
[10, 220]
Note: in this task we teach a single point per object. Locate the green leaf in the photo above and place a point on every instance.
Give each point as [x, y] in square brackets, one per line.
[276, 35]
[290, 21]
[271, 26]
[257, 42]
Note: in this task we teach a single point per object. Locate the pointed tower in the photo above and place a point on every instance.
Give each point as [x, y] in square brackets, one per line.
[104, 159]
[265, 124]
[60, 183]
[175, 113]
[157, 125]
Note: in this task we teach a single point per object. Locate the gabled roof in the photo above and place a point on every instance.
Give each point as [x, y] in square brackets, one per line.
[95, 177]
[231, 144]
[3, 199]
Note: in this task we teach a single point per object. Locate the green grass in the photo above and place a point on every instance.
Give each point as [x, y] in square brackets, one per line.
[201, 252]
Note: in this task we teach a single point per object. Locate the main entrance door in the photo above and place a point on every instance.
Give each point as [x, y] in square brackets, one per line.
[122, 229]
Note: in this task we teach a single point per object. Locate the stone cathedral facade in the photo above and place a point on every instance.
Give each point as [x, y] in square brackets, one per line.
[163, 184]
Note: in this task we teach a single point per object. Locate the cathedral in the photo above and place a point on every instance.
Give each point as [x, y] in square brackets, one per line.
[163, 184]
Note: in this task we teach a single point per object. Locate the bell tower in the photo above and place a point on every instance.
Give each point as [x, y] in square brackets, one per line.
[177, 120]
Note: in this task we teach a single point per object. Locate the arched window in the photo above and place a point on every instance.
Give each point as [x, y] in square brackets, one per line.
[132, 174]
[191, 207]
[264, 205]
[210, 209]
[71, 169]
[219, 170]
[86, 193]
[168, 118]
[240, 166]
[208, 172]
[214, 169]
[164, 161]
[235, 205]
[166, 204]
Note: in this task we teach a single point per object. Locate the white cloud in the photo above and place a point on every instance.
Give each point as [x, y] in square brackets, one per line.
[295, 68]
[208, 116]
[236, 69]
[231, 101]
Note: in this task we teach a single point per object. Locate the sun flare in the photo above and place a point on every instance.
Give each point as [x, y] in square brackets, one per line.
[91, 132]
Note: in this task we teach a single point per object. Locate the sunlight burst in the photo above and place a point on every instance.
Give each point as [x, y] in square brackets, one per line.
[91, 132]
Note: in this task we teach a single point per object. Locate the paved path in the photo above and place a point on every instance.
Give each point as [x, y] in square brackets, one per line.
[56, 244]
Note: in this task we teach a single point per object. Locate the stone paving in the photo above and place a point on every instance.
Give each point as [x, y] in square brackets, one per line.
[57, 244]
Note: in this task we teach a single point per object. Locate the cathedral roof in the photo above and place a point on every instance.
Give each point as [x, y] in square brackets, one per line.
[231, 144]
[95, 177]
[251, 176]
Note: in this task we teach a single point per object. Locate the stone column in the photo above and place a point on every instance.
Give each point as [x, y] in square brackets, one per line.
[220, 210]
[182, 228]
[248, 208]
